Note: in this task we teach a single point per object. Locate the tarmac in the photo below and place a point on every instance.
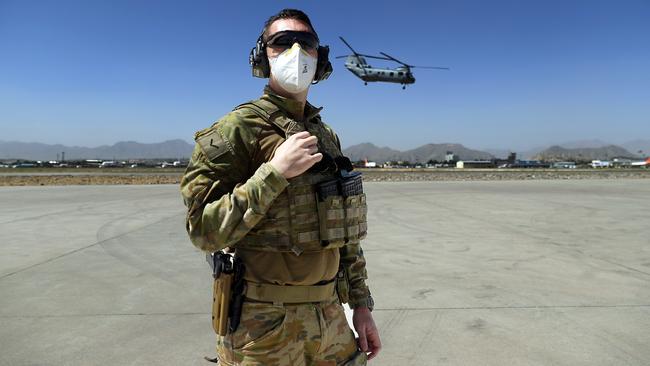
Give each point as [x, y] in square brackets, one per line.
[463, 273]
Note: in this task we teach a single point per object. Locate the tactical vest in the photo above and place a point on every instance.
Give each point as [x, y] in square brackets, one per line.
[303, 218]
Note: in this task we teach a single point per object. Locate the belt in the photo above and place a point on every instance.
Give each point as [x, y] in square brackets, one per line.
[289, 294]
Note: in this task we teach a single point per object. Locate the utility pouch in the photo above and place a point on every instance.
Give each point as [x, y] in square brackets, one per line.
[342, 286]
[330, 213]
[355, 207]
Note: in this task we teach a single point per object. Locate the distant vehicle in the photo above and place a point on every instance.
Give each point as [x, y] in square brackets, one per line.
[24, 165]
[357, 64]
[645, 163]
[109, 164]
[564, 165]
[600, 164]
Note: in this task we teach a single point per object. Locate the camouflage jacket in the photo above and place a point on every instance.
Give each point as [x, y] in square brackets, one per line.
[228, 185]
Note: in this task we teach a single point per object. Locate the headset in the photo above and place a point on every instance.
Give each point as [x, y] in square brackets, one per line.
[261, 68]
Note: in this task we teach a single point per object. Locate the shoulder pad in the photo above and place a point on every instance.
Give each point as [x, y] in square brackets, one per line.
[212, 143]
[263, 108]
[267, 111]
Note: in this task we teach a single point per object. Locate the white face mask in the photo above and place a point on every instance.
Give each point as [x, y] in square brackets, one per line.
[293, 69]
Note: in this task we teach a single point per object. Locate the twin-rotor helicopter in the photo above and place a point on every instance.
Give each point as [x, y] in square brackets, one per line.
[357, 64]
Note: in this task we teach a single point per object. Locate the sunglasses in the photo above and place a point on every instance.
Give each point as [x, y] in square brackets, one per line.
[286, 39]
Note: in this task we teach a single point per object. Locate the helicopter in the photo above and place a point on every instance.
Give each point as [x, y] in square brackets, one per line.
[357, 64]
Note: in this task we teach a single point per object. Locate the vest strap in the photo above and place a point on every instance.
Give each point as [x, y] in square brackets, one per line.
[268, 112]
[289, 294]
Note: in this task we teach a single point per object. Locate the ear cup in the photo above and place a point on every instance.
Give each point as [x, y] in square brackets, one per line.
[324, 66]
[258, 60]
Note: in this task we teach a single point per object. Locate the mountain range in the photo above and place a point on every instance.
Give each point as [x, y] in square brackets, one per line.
[180, 149]
[421, 154]
[171, 149]
[635, 147]
[559, 153]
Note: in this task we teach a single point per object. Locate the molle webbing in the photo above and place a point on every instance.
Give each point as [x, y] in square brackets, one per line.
[300, 219]
[289, 294]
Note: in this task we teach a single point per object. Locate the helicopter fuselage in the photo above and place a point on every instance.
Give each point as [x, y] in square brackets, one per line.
[360, 68]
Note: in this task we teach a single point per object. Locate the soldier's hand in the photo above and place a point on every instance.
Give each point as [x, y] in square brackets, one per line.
[297, 154]
[369, 341]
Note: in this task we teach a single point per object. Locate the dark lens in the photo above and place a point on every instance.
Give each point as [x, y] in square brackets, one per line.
[281, 41]
[288, 38]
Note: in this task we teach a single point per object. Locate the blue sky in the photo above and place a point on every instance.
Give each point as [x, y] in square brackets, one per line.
[523, 73]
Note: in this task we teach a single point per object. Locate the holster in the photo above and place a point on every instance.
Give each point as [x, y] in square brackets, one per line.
[228, 291]
[221, 303]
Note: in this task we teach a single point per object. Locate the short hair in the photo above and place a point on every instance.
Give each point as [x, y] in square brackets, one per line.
[287, 14]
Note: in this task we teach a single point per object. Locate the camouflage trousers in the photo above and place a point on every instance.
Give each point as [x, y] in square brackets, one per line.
[291, 335]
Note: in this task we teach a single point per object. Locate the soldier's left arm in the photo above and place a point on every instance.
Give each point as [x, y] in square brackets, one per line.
[353, 261]
[354, 264]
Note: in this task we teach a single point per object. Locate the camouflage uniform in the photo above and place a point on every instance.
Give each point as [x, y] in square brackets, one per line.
[232, 195]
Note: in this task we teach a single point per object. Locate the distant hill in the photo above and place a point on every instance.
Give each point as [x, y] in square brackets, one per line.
[558, 153]
[371, 152]
[171, 149]
[581, 144]
[421, 154]
[631, 146]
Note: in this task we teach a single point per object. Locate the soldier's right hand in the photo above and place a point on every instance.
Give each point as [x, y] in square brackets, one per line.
[297, 154]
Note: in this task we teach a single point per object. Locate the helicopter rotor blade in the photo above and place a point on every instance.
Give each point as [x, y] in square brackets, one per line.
[430, 67]
[412, 66]
[394, 59]
[376, 57]
[342, 56]
[350, 47]
[365, 73]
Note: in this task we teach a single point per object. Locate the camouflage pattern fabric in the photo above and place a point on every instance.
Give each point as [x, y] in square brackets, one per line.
[228, 186]
[291, 335]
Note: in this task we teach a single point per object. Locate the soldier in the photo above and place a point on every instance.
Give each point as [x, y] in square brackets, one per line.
[268, 182]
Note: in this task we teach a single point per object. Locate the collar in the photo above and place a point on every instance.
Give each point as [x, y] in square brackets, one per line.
[289, 106]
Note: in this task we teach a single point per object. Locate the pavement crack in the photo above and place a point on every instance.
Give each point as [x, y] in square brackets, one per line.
[85, 247]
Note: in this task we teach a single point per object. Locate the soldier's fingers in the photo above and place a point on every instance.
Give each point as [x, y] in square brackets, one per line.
[312, 149]
[363, 341]
[308, 141]
[371, 355]
[299, 135]
[374, 343]
[315, 158]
